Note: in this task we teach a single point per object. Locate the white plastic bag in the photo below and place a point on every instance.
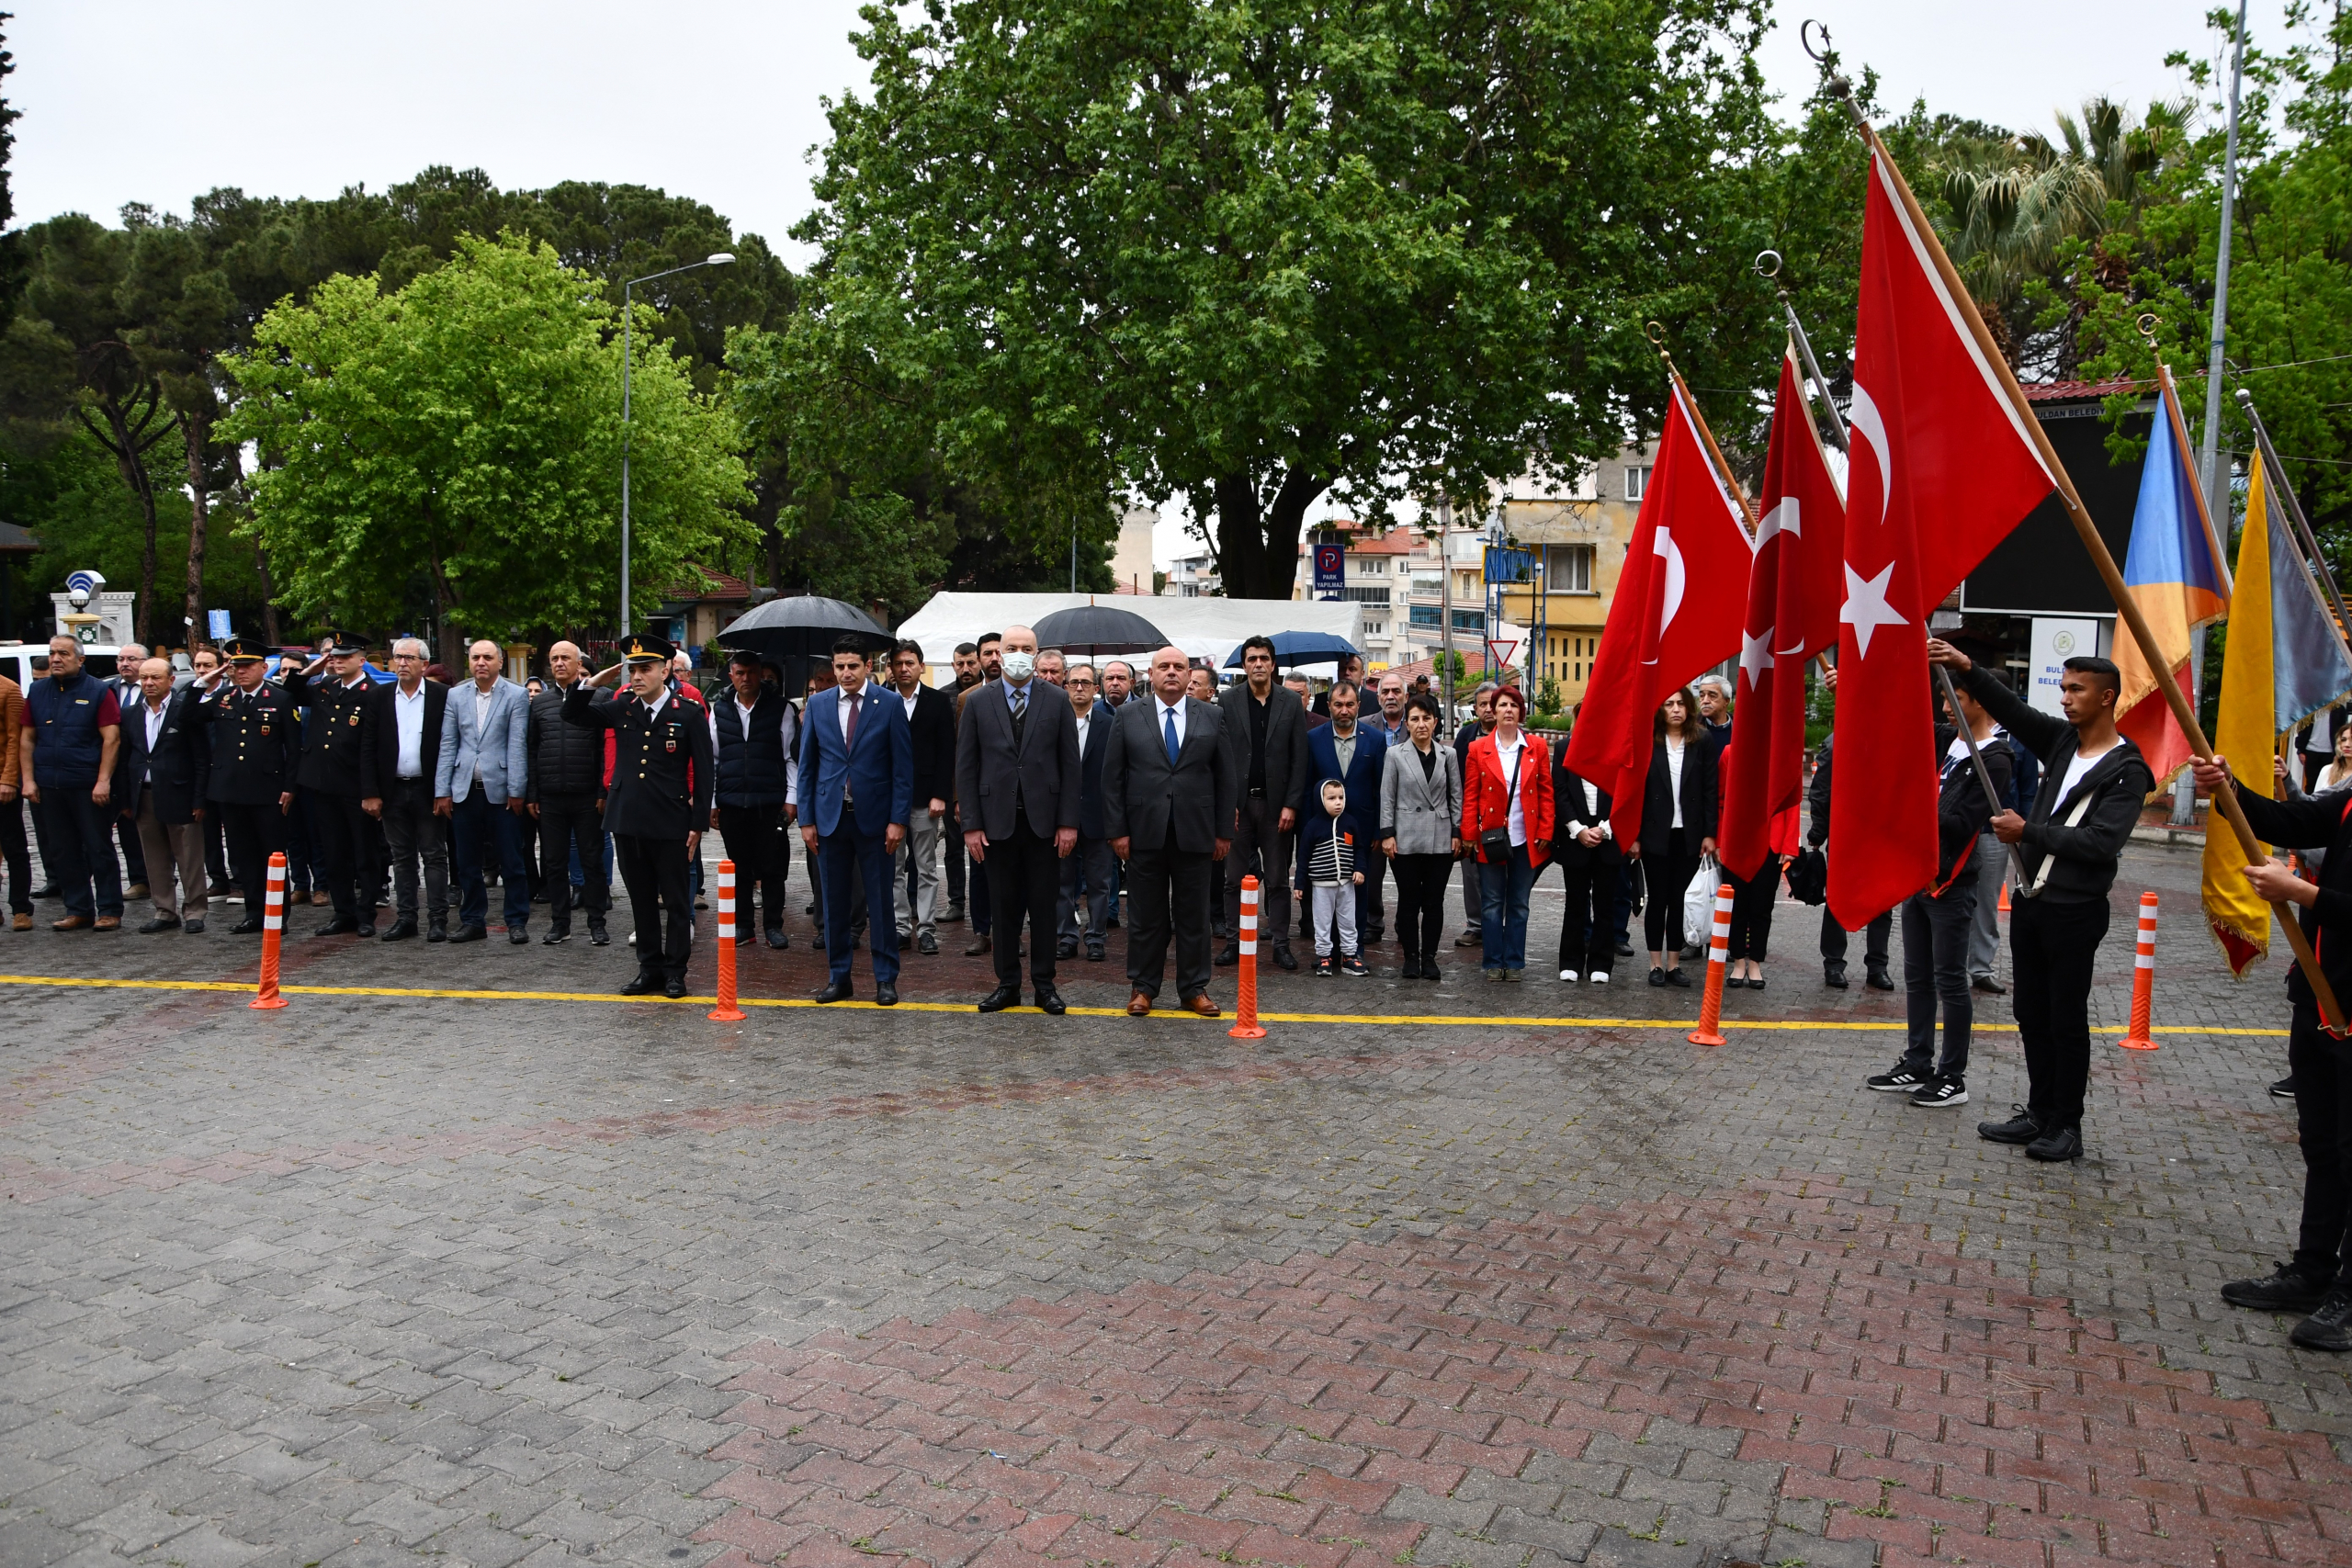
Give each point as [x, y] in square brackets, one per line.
[1698, 902]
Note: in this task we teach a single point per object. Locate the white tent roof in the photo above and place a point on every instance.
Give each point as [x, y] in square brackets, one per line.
[1204, 629]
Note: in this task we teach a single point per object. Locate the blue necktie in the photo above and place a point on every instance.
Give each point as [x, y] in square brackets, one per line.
[1167, 732]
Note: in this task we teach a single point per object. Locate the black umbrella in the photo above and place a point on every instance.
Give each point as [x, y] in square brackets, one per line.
[1099, 630]
[806, 626]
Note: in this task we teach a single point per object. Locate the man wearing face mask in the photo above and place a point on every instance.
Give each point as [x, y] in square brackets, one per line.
[1018, 773]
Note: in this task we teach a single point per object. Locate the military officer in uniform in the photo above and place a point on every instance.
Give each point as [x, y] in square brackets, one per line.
[254, 752]
[663, 777]
[350, 844]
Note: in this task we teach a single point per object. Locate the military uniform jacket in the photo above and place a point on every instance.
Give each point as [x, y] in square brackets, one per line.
[338, 718]
[255, 746]
[662, 770]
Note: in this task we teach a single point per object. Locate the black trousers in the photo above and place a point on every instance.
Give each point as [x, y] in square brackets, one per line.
[20, 865]
[350, 861]
[1668, 877]
[763, 857]
[571, 822]
[654, 872]
[255, 832]
[1168, 895]
[1025, 879]
[1751, 909]
[1934, 969]
[1260, 845]
[80, 842]
[412, 833]
[134, 853]
[1875, 938]
[216, 849]
[2323, 1070]
[2051, 947]
[1372, 907]
[1588, 925]
[1420, 902]
[952, 851]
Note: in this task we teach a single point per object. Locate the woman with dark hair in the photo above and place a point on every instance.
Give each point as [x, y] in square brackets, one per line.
[1585, 844]
[1420, 808]
[1677, 826]
[1506, 823]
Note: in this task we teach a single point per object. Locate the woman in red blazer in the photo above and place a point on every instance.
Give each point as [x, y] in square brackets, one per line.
[1491, 803]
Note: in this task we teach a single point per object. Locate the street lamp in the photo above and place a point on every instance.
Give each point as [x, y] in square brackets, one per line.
[720, 258]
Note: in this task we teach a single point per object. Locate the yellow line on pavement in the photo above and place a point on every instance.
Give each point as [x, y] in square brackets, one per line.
[1382, 1020]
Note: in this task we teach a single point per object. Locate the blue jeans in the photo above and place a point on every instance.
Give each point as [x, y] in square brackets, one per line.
[850, 855]
[478, 818]
[81, 850]
[1503, 933]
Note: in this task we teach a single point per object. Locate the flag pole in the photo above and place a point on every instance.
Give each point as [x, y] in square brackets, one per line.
[1723, 476]
[2295, 511]
[1838, 430]
[2225, 798]
[2214, 539]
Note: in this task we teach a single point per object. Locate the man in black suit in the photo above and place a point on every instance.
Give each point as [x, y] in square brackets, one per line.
[1170, 784]
[251, 780]
[931, 723]
[1018, 782]
[1092, 861]
[1269, 726]
[399, 747]
[165, 763]
[331, 779]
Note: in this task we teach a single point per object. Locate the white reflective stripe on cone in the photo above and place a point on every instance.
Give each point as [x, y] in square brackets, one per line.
[2143, 961]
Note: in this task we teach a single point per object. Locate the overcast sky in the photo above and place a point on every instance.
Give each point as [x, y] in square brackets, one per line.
[142, 100]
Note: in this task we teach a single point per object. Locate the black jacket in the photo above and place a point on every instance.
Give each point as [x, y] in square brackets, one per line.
[379, 748]
[1699, 798]
[255, 746]
[1962, 809]
[1570, 816]
[333, 731]
[661, 764]
[2311, 822]
[932, 731]
[1816, 797]
[2083, 856]
[1095, 730]
[179, 769]
[565, 758]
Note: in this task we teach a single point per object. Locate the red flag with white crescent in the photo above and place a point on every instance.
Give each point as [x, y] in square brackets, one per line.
[1942, 469]
[1793, 592]
[1676, 613]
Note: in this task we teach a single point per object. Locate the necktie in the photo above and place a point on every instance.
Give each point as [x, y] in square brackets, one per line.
[1167, 734]
[1020, 715]
[849, 731]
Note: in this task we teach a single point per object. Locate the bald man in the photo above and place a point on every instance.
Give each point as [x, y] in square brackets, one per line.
[1170, 784]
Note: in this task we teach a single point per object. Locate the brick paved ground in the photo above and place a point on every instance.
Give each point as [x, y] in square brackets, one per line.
[380, 1279]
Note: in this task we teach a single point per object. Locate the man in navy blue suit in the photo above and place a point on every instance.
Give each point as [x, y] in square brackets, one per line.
[857, 776]
[1352, 752]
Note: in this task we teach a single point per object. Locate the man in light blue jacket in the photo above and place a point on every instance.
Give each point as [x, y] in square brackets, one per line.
[480, 782]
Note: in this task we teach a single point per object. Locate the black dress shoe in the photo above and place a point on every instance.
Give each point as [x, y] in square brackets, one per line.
[246, 927]
[1000, 998]
[1987, 984]
[556, 937]
[641, 985]
[2058, 1144]
[776, 939]
[1095, 953]
[47, 891]
[519, 932]
[160, 923]
[398, 930]
[1877, 978]
[927, 942]
[886, 995]
[2330, 1327]
[192, 928]
[597, 935]
[2285, 1290]
[437, 931]
[1282, 959]
[1230, 955]
[980, 944]
[471, 933]
[1624, 949]
[1678, 978]
[366, 930]
[834, 992]
[2020, 1128]
[1050, 1000]
[339, 926]
[1066, 948]
[1410, 969]
[674, 988]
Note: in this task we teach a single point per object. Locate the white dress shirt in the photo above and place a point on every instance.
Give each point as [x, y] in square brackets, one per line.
[786, 733]
[154, 727]
[408, 716]
[1159, 719]
[1508, 757]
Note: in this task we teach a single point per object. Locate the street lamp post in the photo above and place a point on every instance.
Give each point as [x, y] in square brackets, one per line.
[720, 258]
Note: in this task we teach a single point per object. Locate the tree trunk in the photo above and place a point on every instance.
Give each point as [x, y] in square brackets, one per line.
[269, 593]
[199, 520]
[129, 448]
[453, 643]
[1258, 545]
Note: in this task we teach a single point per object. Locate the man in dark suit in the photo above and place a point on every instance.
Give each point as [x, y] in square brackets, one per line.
[857, 787]
[658, 803]
[251, 780]
[1269, 726]
[400, 748]
[930, 728]
[338, 708]
[1090, 864]
[1018, 778]
[1169, 782]
[164, 764]
[1355, 754]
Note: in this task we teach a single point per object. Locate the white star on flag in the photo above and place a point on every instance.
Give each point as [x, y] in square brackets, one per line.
[1866, 608]
[1755, 657]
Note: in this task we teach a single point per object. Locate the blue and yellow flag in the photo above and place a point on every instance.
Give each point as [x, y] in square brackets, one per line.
[2174, 569]
[2285, 660]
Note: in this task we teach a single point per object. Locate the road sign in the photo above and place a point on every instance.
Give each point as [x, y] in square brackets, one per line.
[1330, 570]
[217, 624]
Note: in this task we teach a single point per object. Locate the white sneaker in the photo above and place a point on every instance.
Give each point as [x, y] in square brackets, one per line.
[1598, 977]
[1567, 976]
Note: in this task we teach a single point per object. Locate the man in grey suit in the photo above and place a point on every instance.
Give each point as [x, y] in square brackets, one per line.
[1268, 727]
[479, 782]
[1017, 779]
[1168, 784]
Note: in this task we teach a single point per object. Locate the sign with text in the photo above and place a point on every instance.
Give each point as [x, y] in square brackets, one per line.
[1330, 570]
[2055, 640]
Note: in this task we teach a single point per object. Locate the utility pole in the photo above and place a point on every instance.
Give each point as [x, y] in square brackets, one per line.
[1446, 610]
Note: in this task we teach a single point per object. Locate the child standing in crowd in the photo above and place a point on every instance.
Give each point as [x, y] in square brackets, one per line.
[1327, 864]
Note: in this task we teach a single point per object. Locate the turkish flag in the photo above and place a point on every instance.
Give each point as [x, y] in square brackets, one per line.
[1942, 468]
[1793, 592]
[1676, 612]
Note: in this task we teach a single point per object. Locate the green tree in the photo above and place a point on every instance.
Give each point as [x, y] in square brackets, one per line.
[462, 437]
[1258, 253]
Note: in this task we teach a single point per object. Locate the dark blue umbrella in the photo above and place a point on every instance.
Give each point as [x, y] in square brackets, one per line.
[1304, 647]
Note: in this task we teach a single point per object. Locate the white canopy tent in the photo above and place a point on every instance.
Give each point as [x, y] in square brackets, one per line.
[1204, 628]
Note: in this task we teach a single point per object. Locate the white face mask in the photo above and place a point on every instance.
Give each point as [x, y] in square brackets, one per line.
[1019, 665]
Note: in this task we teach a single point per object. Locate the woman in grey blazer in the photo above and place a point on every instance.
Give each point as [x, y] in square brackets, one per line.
[1421, 817]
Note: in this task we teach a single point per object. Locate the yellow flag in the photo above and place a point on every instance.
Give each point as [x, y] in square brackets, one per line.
[2245, 732]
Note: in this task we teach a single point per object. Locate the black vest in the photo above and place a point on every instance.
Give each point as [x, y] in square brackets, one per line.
[751, 767]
